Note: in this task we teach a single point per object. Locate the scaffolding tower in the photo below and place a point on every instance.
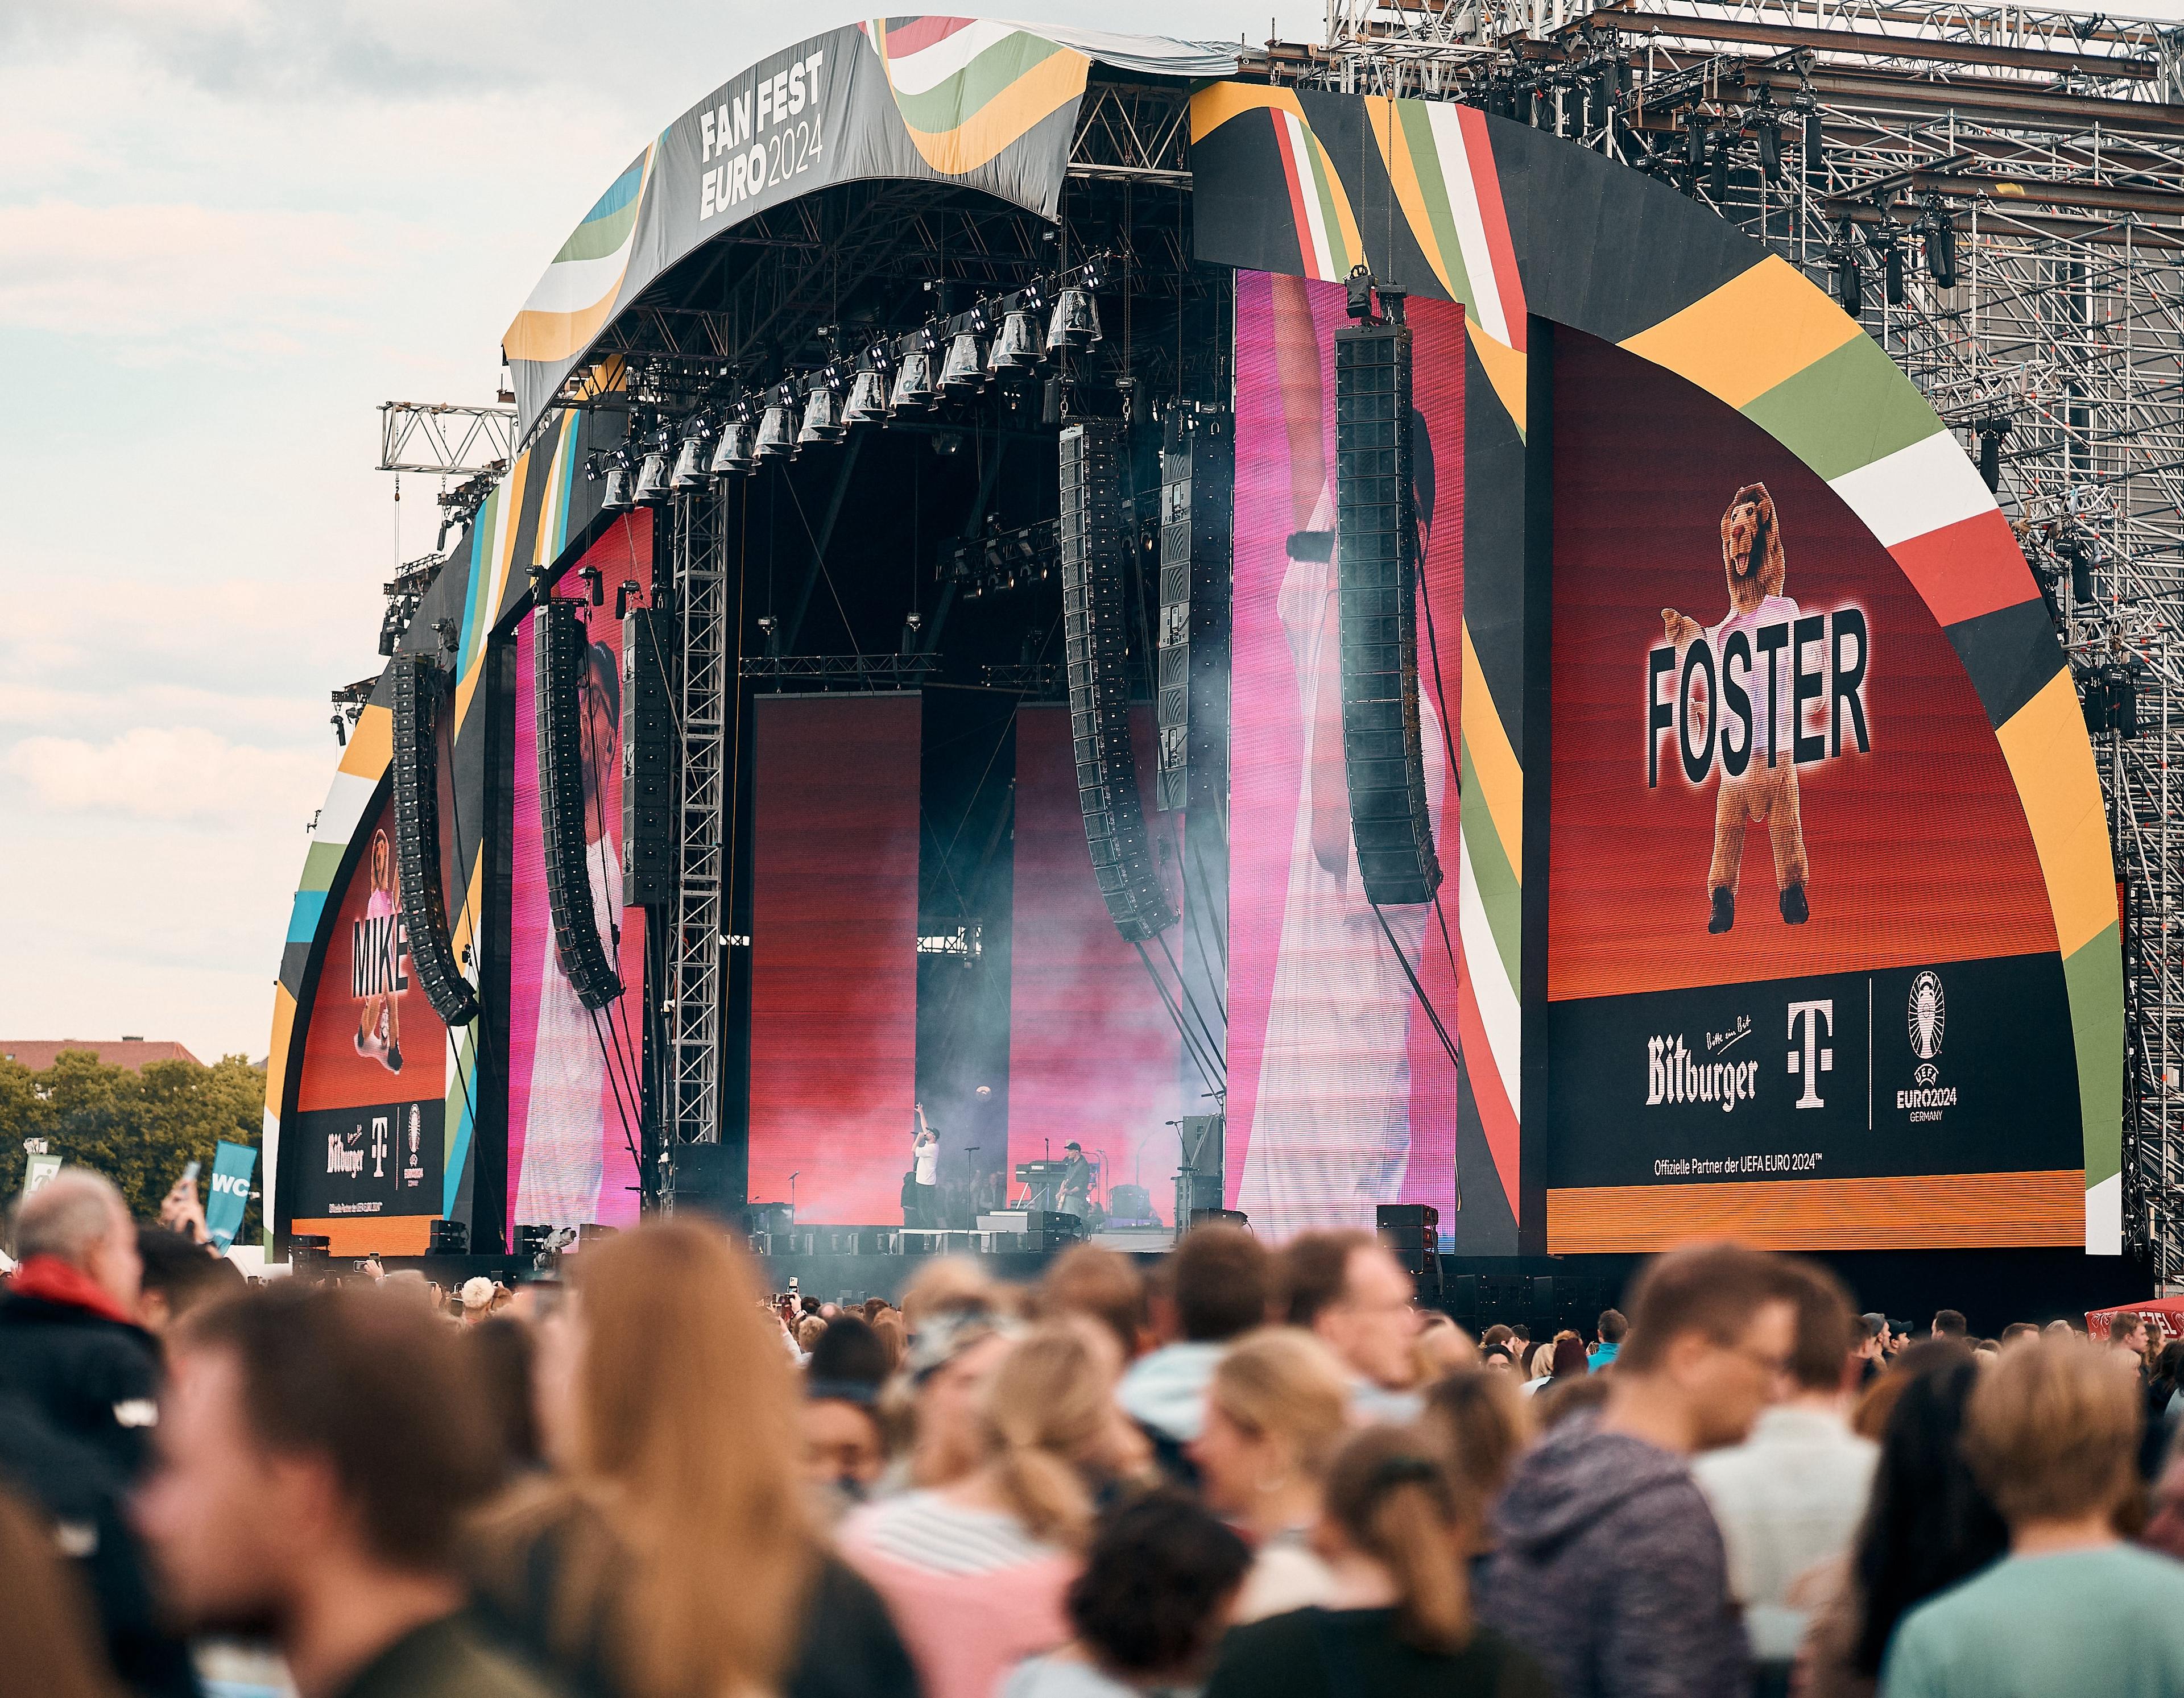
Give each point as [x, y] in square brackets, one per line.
[1997, 193]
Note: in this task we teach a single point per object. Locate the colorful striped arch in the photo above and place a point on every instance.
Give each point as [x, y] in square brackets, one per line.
[1510, 221]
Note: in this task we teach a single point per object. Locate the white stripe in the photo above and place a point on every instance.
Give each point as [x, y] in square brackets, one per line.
[1470, 227]
[2104, 1217]
[1322, 257]
[1915, 490]
[347, 797]
[927, 68]
[1498, 1011]
[569, 286]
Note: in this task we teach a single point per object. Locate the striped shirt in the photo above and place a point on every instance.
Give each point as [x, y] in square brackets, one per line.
[926, 1531]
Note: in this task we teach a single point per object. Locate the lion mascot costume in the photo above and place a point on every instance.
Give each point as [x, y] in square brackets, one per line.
[1751, 561]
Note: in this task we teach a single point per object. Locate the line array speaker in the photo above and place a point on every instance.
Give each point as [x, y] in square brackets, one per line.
[647, 760]
[1197, 465]
[561, 657]
[417, 694]
[1094, 584]
[1376, 573]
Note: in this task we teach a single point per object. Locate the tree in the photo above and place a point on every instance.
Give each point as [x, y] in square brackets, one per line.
[138, 1129]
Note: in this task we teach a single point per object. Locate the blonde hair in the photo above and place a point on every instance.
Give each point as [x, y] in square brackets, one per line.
[1541, 1362]
[1282, 1383]
[1393, 1502]
[2052, 1432]
[949, 1284]
[688, 1435]
[1048, 1407]
[808, 1332]
[1480, 1422]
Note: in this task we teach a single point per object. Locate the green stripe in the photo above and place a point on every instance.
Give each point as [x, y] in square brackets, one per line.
[1845, 410]
[321, 862]
[1337, 250]
[602, 236]
[1499, 892]
[960, 98]
[2093, 977]
[1433, 188]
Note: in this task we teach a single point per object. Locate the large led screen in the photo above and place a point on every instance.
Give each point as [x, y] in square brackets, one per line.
[1801, 965]
[833, 1046]
[367, 1138]
[573, 1072]
[1094, 1053]
[1342, 1093]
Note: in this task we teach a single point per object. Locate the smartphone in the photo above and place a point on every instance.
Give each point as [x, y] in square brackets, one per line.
[190, 1173]
[792, 1285]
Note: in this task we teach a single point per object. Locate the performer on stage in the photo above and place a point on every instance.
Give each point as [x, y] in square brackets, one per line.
[1075, 1181]
[924, 1207]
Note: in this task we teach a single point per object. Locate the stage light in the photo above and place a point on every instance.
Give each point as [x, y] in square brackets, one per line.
[617, 497]
[913, 385]
[733, 457]
[1991, 431]
[1719, 182]
[2083, 589]
[1358, 285]
[1850, 285]
[777, 432]
[1891, 270]
[964, 373]
[822, 421]
[595, 584]
[868, 402]
[1076, 322]
[652, 479]
[1770, 150]
[1018, 348]
[340, 730]
[624, 593]
[1694, 146]
[1816, 146]
[1941, 247]
[690, 470]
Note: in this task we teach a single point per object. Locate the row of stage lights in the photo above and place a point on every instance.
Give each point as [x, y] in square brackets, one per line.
[887, 380]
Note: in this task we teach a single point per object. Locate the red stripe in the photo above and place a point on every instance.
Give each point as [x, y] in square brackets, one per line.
[1494, 217]
[907, 34]
[1292, 168]
[1967, 568]
[1497, 1117]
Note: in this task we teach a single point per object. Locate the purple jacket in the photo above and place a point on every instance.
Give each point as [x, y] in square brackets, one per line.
[1609, 1569]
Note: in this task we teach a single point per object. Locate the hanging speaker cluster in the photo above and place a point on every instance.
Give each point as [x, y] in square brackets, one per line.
[418, 692]
[1197, 471]
[562, 657]
[1377, 575]
[647, 760]
[1094, 580]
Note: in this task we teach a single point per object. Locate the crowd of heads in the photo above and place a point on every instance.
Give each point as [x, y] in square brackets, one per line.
[651, 1475]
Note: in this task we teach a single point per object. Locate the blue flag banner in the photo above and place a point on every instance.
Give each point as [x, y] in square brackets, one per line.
[232, 1167]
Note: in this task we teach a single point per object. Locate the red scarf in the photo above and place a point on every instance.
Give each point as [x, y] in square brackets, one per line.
[59, 1281]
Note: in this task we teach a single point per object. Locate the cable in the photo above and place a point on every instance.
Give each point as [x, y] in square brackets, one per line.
[1424, 1002]
[819, 560]
[1183, 984]
[1219, 1088]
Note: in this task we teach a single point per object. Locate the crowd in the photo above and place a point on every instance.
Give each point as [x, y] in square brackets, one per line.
[1259, 1473]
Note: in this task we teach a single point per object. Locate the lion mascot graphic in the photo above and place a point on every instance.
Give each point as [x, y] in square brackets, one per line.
[1751, 560]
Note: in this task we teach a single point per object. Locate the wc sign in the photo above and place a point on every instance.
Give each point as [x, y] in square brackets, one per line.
[231, 1167]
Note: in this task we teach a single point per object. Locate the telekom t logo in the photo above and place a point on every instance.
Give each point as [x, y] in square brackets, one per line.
[1818, 1019]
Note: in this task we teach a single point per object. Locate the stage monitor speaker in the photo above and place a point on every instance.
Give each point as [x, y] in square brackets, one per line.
[562, 663]
[701, 1183]
[1463, 1299]
[1377, 575]
[1412, 1232]
[449, 1238]
[649, 758]
[418, 691]
[1198, 465]
[1095, 573]
[1232, 1217]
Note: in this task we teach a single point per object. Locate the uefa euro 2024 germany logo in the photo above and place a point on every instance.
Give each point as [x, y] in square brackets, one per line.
[1926, 1016]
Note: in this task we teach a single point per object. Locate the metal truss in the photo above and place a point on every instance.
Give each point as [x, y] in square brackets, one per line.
[2042, 152]
[434, 437]
[833, 672]
[705, 590]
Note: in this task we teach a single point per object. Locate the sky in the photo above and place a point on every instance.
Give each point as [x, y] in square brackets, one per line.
[229, 231]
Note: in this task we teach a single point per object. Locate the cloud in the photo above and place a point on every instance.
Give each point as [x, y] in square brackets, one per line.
[188, 775]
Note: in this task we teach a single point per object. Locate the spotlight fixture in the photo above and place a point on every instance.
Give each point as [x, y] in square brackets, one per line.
[1816, 143]
[595, 582]
[1941, 245]
[340, 730]
[620, 495]
[1076, 322]
[652, 477]
[965, 371]
[1991, 431]
[1850, 284]
[690, 469]
[1018, 346]
[823, 417]
[1718, 181]
[777, 432]
[867, 403]
[1891, 270]
[625, 591]
[1359, 286]
[733, 457]
[1768, 135]
[914, 390]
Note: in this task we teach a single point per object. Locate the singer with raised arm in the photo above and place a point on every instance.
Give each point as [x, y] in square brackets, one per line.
[921, 1201]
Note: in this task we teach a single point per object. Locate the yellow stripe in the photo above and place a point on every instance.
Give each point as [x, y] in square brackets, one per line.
[1212, 108]
[276, 1053]
[1493, 768]
[1749, 335]
[546, 337]
[370, 745]
[1410, 194]
[1007, 117]
[1504, 368]
[2051, 758]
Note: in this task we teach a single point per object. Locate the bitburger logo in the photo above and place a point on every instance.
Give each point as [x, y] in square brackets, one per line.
[1671, 1076]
